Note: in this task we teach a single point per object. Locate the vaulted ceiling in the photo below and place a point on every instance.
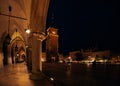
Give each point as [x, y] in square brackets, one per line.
[24, 13]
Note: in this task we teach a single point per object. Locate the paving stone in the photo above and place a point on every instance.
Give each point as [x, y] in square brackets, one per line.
[18, 75]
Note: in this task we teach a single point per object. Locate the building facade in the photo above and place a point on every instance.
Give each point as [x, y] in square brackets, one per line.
[52, 45]
[105, 54]
[15, 17]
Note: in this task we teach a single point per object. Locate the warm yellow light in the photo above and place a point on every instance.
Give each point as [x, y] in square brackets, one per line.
[53, 32]
[42, 59]
[27, 31]
[52, 79]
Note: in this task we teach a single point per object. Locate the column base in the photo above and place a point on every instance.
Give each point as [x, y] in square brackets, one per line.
[9, 60]
[37, 76]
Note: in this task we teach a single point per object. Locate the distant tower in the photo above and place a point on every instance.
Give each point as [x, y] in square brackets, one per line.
[52, 43]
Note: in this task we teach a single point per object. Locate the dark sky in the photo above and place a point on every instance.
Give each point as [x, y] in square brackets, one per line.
[86, 23]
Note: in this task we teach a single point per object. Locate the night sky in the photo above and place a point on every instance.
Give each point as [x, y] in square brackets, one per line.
[84, 24]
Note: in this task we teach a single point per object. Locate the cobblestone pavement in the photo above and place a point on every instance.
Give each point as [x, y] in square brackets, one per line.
[18, 75]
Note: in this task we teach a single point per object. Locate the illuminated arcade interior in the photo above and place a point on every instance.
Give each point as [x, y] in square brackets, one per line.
[16, 17]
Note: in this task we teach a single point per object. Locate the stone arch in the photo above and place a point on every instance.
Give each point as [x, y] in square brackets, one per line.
[17, 40]
[36, 19]
[8, 50]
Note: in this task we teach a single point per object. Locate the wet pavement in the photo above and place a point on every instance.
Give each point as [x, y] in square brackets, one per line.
[83, 74]
[74, 74]
[18, 75]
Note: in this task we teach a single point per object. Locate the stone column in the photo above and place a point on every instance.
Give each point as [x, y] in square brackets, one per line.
[40, 55]
[9, 55]
[36, 66]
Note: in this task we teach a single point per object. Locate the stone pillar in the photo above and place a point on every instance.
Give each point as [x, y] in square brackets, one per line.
[40, 55]
[9, 55]
[36, 66]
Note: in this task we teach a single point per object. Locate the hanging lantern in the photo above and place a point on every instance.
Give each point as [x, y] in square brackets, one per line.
[16, 48]
[7, 39]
